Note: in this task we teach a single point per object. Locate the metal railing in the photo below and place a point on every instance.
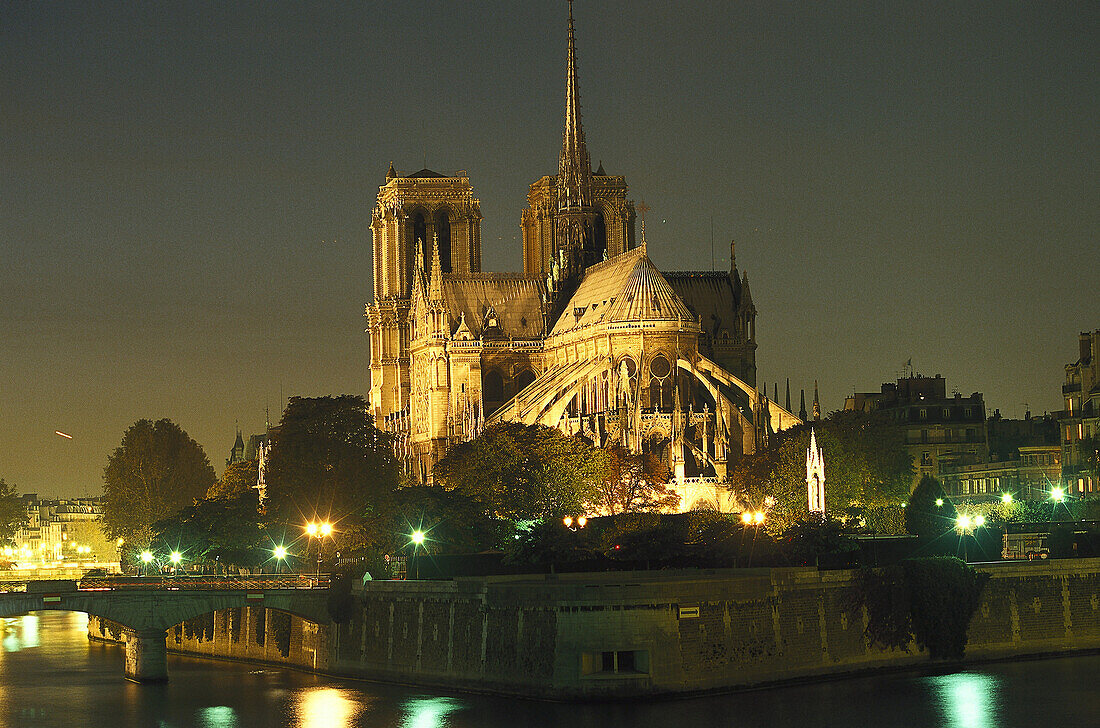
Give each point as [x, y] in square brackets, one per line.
[208, 583]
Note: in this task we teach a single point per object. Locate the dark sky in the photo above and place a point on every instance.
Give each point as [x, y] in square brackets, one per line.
[185, 189]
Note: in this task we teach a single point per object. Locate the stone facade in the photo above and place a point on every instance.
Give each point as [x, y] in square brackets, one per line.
[631, 634]
[1080, 421]
[941, 432]
[590, 338]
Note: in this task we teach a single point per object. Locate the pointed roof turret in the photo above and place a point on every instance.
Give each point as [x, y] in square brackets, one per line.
[787, 401]
[802, 407]
[746, 296]
[574, 165]
[435, 284]
[817, 405]
[391, 173]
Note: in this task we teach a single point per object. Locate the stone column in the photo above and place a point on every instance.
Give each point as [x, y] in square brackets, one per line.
[146, 656]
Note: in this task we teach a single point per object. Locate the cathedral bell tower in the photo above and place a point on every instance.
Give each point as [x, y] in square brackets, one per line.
[579, 217]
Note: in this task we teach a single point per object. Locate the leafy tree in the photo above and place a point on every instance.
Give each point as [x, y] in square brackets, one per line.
[13, 511]
[923, 517]
[866, 464]
[452, 521]
[636, 482]
[156, 471]
[227, 531]
[329, 461]
[525, 472]
[237, 478]
[814, 536]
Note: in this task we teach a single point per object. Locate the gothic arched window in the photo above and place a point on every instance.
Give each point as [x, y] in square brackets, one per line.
[443, 230]
[492, 390]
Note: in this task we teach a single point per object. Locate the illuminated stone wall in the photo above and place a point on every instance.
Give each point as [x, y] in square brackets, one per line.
[646, 633]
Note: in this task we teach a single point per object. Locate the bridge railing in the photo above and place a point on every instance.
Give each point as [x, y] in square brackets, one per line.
[208, 583]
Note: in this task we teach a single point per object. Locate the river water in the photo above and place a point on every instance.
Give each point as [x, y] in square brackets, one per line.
[51, 675]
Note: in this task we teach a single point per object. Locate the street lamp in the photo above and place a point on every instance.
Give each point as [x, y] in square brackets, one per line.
[175, 557]
[319, 531]
[572, 524]
[417, 540]
[1057, 495]
[280, 554]
[939, 503]
[146, 557]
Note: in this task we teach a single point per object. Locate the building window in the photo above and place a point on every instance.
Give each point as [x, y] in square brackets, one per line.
[926, 459]
[968, 412]
[946, 413]
[923, 414]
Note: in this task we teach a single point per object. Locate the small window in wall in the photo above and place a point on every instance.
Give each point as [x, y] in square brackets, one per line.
[615, 662]
[924, 414]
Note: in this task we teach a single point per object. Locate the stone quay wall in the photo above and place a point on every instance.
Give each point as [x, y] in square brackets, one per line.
[649, 633]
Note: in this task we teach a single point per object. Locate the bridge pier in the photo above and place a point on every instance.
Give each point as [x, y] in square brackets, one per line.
[146, 656]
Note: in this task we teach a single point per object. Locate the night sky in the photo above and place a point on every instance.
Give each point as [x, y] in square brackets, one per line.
[185, 189]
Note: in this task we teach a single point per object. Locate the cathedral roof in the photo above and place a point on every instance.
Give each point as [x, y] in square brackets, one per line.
[713, 296]
[627, 287]
[516, 300]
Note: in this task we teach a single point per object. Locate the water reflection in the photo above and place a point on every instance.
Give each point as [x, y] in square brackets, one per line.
[326, 708]
[968, 700]
[20, 633]
[217, 716]
[428, 712]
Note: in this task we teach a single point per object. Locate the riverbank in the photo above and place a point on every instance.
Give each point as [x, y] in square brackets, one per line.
[634, 634]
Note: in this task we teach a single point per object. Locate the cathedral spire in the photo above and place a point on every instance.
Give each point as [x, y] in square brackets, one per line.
[435, 285]
[574, 165]
[816, 405]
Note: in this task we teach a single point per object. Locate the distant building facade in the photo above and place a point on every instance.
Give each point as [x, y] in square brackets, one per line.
[62, 530]
[941, 432]
[1080, 421]
[1030, 476]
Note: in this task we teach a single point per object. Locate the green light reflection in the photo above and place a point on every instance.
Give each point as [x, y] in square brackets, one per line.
[967, 700]
[217, 716]
[428, 712]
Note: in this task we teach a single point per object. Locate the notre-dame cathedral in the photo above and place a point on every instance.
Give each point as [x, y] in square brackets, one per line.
[590, 338]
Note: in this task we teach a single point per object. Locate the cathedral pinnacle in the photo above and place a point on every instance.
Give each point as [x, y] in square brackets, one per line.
[435, 284]
[574, 165]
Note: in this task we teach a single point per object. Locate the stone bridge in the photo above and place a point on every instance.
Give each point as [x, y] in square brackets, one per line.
[147, 612]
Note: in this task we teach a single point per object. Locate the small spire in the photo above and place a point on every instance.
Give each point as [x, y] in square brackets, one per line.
[787, 401]
[802, 407]
[391, 173]
[600, 172]
[817, 404]
[733, 259]
[435, 287]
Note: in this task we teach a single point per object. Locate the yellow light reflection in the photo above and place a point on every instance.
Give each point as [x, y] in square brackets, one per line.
[425, 712]
[326, 708]
[968, 700]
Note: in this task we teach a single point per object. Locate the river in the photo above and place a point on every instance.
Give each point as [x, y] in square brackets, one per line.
[51, 675]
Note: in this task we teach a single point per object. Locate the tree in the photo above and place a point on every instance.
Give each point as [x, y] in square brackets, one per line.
[452, 521]
[238, 478]
[328, 461]
[13, 511]
[866, 465]
[814, 536]
[525, 472]
[156, 471]
[226, 531]
[929, 512]
[636, 482]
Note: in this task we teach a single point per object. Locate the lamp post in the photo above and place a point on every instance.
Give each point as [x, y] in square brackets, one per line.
[146, 558]
[319, 531]
[965, 525]
[280, 554]
[416, 538]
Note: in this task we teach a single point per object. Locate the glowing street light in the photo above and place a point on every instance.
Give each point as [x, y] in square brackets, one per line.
[939, 503]
[1006, 498]
[1057, 495]
[758, 517]
[417, 537]
[326, 528]
[746, 517]
[311, 529]
[146, 556]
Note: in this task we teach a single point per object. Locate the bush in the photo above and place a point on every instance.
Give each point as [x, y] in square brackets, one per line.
[808, 539]
[929, 601]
